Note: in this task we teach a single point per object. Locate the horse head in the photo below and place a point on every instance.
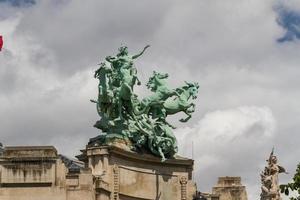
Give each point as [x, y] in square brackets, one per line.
[156, 80]
[193, 89]
[158, 75]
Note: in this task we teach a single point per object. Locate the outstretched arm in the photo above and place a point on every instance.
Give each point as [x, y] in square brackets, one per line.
[138, 55]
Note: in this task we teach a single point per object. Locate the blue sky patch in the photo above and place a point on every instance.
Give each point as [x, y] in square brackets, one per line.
[290, 20]
[19, 3]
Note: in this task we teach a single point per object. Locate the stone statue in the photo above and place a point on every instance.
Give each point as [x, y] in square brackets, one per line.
[142, 123]
[269, 179]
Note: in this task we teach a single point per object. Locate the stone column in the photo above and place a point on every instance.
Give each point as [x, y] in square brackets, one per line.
[183, 183]
[116, 180]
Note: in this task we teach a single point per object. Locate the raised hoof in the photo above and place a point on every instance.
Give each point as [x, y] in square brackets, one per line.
[183, 120]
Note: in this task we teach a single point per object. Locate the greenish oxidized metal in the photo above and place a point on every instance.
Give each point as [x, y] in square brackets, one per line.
[142, 122]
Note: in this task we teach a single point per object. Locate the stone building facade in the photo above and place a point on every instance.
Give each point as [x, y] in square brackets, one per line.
[39, 173]
[102, 173]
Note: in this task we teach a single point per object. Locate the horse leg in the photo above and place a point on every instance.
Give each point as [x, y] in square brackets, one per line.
[191, 108]
[188, 110]
[189, 116]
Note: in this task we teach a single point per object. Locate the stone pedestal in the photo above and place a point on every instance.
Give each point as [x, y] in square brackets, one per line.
[125, 175]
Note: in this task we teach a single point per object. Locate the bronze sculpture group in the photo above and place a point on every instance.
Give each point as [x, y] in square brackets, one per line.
[142, 122]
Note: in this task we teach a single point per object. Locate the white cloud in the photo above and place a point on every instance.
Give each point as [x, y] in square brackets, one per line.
[229, 142]
[33, 94]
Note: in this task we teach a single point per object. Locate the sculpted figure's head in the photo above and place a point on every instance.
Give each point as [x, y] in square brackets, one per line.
[123, 51]
[273, 159]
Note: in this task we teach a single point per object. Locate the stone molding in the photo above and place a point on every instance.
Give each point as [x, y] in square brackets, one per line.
[116, 180]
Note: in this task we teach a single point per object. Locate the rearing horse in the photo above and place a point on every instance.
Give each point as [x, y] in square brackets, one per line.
[157, 84]
[181, 103]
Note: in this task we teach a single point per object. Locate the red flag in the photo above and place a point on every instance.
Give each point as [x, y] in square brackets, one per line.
[1, 42]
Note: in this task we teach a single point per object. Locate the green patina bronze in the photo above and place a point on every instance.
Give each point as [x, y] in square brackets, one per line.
[142, 122]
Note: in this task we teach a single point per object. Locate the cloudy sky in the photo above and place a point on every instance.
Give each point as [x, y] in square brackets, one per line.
[244, 54]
